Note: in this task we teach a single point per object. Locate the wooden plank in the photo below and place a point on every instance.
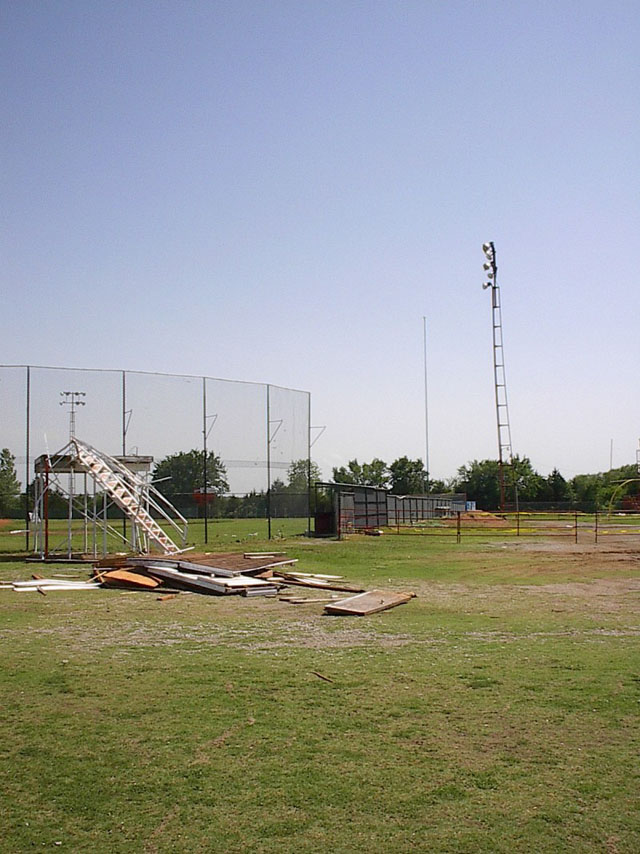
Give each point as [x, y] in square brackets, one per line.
[368, 603]
[316, 583]
[245, 585]
[119, 577]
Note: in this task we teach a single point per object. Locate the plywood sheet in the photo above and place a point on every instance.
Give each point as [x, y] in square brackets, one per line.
[368, 603]
[122, 577]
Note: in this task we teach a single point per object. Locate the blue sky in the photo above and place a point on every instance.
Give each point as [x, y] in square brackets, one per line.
[280, 191]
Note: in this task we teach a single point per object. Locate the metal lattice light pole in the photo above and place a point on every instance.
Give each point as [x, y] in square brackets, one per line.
[72, 400]
[505, 452]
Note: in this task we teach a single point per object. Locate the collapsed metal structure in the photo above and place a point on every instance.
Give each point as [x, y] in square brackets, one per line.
[106, 481]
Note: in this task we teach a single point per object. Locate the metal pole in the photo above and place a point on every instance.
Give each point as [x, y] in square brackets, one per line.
[85, 528]
[268, 462]
[104, 523]
[309, 465]
[45, 506]
[426, 409]
[95, 519]
[124, 441]
[205, 492]
[26, 464]
[70, 512]
[596, 526]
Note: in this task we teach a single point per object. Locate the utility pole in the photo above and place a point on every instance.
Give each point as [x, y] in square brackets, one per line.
[426, 408]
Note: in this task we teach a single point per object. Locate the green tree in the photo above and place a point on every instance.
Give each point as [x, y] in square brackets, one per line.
[438, 487]
[178, 475]
[298, 475]
[374, 473]
[408, 477]
[9, 486]
[531, 485]
[556, 488]
[480, 480]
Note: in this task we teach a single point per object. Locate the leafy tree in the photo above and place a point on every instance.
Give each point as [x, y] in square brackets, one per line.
[599, 489]
[298, 474]
[556, 488]
[184, 473]
[9, 486]
[374, 473]
[480, 480]
[437, 487]
[530, 484]
[278, 485]
[408, 477]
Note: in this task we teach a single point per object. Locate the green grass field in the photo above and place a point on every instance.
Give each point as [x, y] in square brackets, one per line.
[496, 712]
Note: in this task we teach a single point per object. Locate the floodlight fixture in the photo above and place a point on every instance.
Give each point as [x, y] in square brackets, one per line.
[72, 400]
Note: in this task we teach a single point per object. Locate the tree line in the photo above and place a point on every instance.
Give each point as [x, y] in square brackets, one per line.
[180, 477]
[480, 481]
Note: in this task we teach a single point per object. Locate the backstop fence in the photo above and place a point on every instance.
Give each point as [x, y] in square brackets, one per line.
[228, 448]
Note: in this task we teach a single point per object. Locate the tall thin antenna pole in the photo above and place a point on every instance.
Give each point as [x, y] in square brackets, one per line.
[505, 452]
[426, 409]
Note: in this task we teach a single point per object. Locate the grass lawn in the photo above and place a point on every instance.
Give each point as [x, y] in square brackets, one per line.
[496, 712]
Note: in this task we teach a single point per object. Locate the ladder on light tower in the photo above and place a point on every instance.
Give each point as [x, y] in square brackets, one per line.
[505, 450]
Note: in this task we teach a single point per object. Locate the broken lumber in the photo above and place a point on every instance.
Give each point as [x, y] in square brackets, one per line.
[317, 583]
[368, 603]
[125, 578]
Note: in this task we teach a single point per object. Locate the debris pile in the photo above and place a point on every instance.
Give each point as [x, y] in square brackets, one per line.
[250, 574]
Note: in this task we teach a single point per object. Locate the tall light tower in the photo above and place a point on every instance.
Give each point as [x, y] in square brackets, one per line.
[72, 400]
[505, 453]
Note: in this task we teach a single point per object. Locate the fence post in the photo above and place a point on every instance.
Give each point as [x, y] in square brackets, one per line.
[596, 525]
[517, 523]
[576, 525]
[458, 533]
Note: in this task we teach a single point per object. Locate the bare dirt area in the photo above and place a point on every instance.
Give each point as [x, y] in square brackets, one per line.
[625, 547]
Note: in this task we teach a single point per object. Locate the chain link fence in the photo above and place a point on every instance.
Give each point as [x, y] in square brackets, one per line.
[220, 448]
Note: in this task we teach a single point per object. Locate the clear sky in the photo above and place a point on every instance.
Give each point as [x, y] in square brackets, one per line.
[280, 191]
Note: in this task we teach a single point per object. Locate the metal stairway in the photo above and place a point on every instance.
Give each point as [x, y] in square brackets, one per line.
[130, 492]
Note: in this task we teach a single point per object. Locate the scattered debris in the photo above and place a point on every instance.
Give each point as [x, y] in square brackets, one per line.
[368, 603]
[316, 582]
[251, 574]
[320, 676]
[47, 584]
[120, 577]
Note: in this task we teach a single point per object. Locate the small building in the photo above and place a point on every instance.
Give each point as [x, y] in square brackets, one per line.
[343, 508]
